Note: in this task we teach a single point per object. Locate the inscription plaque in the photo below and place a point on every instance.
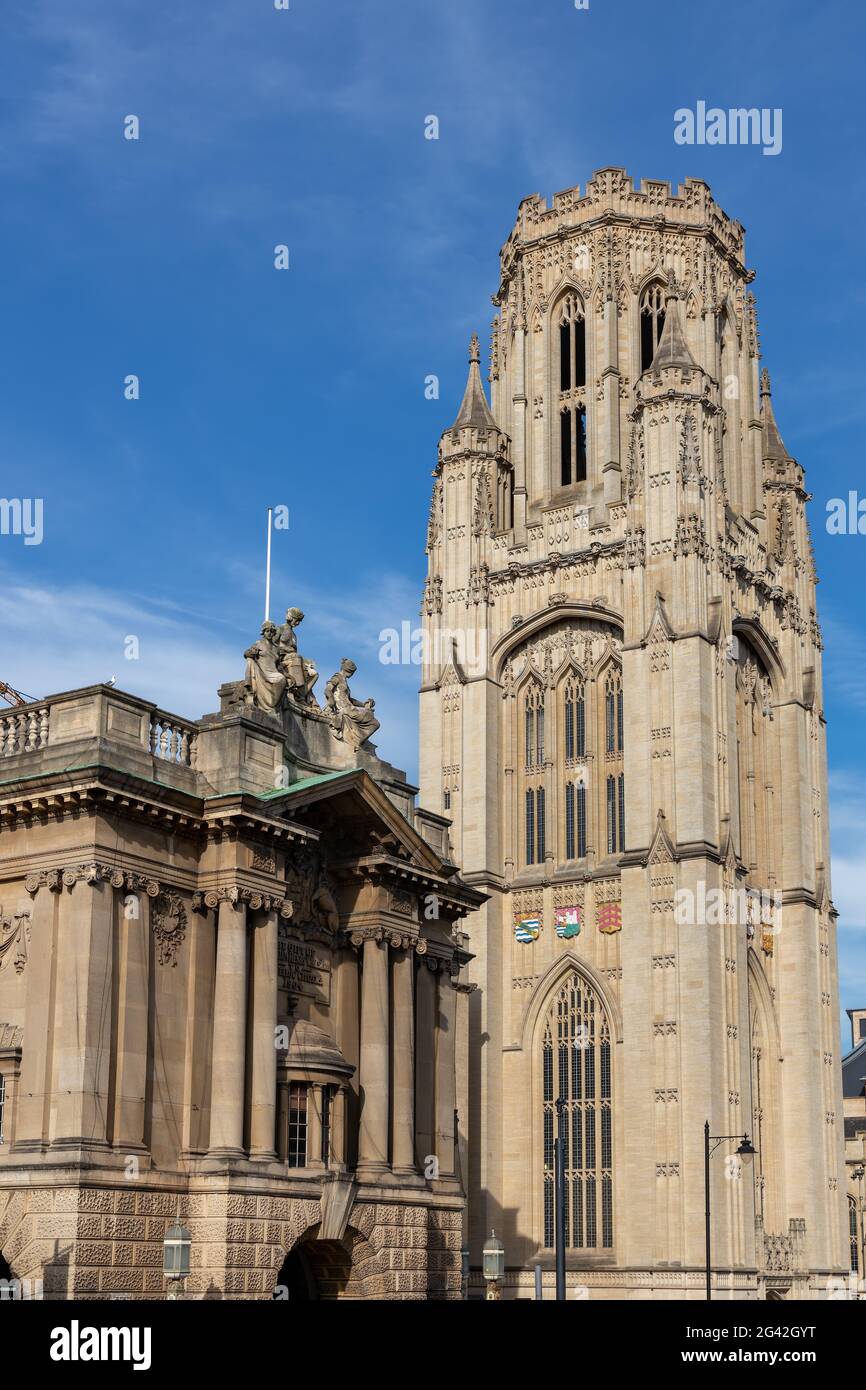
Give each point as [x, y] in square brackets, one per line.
[301, 967]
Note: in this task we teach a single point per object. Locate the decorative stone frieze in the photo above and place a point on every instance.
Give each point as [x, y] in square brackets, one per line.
[14, 938]
[168, 924]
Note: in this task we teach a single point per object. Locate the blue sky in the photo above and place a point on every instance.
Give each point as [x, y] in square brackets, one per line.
[306, 127]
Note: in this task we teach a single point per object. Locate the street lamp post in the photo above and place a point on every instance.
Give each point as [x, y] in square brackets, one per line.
[175, 1258]
[493, 1266]
[559, 1180]
[745, 1150]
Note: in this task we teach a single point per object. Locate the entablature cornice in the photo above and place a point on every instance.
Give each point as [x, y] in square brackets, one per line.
[53, 796]
[457, 899]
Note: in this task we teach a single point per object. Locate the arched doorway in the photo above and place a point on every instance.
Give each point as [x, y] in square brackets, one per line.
[314, 1269]
[296, 1281]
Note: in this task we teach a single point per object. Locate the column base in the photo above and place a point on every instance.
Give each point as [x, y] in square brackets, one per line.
[79, 1143]
[409, 1176]
[263, 1155]
[372, 1172]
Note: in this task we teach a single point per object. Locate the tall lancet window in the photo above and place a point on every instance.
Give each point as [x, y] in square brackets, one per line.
[613, 746]
[572, 445]
[574, 718]
[576, 1067]
[574, 741]
[572, 381]
[534, 726]
[534, 809]
[652, 321]
[575, 820]
[572, 344]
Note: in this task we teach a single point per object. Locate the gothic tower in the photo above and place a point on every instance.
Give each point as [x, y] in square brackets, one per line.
[622, 714]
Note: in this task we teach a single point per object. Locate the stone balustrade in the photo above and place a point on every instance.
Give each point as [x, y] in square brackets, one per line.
[98, 712]
[172, 738]
[23, 730]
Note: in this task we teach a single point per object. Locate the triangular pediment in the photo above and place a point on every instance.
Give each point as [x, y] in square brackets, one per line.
[354, 799]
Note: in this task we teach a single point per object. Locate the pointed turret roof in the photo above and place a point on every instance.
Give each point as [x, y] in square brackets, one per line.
[474, 413]
[773, 445]
[672, 350]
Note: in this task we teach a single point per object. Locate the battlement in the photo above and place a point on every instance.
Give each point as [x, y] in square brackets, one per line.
[612, 191]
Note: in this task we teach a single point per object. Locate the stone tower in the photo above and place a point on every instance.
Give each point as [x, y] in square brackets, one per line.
[622, 713]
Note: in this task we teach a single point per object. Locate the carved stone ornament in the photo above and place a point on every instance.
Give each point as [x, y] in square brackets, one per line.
[263, 859]
[402, 903]
[168, 923]
[311, 891]
[92, 872]
[14, 938]
[242, 897]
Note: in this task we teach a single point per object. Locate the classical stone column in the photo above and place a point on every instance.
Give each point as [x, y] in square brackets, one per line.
[31, 1129]
[425, 1061]
[338, 1128]
[373, 1139]
[228, 1053]
[133, 984]
[403, 1133]
[446, 1074]
[347, 1036]
[82, 1012]
[314, 1125]
[264, 1051]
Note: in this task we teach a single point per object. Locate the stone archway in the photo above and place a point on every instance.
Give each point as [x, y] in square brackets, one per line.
[323, 1269]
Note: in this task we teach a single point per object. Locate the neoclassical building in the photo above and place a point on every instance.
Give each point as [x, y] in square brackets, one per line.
[231, 994]
[622, 714]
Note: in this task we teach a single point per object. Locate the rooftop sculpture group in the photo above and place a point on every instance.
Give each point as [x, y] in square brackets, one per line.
[277, 677]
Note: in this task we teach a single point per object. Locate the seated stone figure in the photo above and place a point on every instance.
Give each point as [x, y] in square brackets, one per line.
[351, 720]
[264, 681]
[301, 674]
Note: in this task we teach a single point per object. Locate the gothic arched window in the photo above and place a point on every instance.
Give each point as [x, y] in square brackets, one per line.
[574, 719]
[533, 725]
[853, 1235]
[614, 784]
[652, 321]
[534, 809]
[756, 766]
[572, 343]
[571, 320]
[535, 825]
[575, 820]
[576, 1068]
[572, 444]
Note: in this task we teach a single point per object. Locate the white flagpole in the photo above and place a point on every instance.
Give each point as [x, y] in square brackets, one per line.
[268, 572]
